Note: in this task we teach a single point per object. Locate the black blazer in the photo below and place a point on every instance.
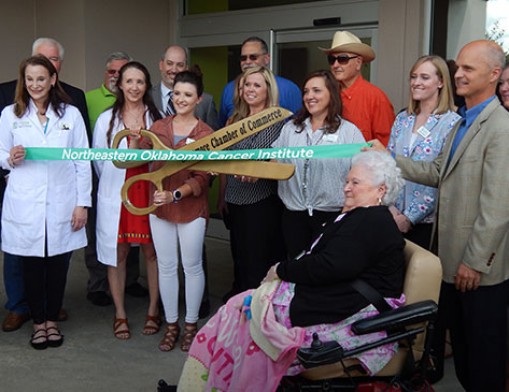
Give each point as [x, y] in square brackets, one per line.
[365, 244]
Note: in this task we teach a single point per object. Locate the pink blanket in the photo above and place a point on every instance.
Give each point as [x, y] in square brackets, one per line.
[225, 347]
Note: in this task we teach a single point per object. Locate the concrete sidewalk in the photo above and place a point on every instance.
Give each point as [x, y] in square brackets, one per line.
[92, 360]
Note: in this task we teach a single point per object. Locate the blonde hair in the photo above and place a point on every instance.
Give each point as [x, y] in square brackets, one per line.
[241, 108]
[445, 97]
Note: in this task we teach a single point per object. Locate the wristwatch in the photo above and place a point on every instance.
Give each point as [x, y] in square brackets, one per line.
[177, 195]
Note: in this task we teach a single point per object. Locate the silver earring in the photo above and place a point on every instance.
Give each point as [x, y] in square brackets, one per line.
[379, 201]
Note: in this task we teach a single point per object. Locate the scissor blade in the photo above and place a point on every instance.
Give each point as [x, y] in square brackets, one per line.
[258, 169]
[219, 140]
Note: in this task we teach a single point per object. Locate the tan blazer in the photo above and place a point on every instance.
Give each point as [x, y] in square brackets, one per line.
[473, 200]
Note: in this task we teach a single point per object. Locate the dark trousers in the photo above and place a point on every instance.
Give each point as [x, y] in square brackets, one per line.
[478, 323]
[300, 229]
[45, 280]
[420, 234]
[256, 240]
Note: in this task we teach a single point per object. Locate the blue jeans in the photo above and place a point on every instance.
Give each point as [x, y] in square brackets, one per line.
[14, 285]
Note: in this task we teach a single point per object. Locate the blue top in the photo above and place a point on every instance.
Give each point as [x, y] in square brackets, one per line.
[416, 201]
[290, 98]
[469, 116]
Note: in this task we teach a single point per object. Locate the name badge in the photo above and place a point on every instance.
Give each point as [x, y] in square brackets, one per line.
[330, 138]
[423, 132]
[21, 124]
[190, 140]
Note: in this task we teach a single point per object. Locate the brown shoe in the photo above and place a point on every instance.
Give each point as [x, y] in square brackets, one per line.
[62, 315]
[14, 321]
[190, 331]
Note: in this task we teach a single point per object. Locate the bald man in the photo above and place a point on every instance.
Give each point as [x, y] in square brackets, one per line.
[173, 61]
[472, 226]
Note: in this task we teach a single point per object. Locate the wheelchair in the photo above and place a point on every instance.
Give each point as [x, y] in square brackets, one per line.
[331, 368]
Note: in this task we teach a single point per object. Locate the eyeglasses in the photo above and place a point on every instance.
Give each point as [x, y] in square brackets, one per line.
[55, 59]
[112, 71]
[252, 57]
[342, 59]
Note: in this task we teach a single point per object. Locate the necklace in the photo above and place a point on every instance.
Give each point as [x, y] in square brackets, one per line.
[134, 119]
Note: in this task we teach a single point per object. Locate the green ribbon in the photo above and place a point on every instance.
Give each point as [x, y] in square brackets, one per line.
[124, 155]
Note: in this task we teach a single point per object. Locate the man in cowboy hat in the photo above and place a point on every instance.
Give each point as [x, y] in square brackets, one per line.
[363, 103]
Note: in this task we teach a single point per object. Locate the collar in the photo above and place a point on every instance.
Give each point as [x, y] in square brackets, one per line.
[307, 126]
[164, 90]
[351, 91]
[469, 115]
[33, 109]
[105, 92]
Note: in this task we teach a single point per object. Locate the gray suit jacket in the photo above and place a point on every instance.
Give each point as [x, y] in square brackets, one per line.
[205, 110]
[473, 202]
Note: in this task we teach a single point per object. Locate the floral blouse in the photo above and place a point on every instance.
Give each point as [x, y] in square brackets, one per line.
[417, 202]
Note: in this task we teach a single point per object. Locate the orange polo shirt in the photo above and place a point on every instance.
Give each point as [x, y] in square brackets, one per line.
[369, 109]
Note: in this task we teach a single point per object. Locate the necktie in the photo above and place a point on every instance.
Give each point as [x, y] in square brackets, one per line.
[170, 109]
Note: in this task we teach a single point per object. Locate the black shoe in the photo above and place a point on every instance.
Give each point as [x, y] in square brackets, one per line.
[41, 343]
[163, 387]
[54, 332]
[136, 290]
[204, 309]
[99, 298]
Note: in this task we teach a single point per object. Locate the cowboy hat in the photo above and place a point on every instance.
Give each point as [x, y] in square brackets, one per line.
[344, 41]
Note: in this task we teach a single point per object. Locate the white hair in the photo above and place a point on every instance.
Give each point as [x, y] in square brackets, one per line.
[383, 170]
[118, 56]
[50, 42]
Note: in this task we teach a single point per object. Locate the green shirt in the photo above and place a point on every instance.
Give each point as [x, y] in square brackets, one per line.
[98, 101]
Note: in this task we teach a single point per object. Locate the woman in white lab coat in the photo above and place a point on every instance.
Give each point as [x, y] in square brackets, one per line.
[116, 227]
[44, 208]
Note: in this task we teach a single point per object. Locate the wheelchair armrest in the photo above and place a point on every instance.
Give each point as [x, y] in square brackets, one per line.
[397, 318]
[320, 353]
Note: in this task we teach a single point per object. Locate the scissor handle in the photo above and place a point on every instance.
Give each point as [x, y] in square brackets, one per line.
[156, 180]
[156, 143]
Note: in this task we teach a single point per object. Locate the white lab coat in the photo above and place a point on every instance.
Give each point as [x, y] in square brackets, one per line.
[41, 195]
[111, 180]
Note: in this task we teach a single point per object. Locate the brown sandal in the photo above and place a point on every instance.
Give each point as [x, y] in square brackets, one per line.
[190, 331]
[152, 325]
[124, 333]
[171, 336]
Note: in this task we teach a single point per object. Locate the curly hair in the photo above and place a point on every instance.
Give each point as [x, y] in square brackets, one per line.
[383, 170]
[334, 108]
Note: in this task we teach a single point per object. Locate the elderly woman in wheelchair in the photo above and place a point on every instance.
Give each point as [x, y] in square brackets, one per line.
[355, 269]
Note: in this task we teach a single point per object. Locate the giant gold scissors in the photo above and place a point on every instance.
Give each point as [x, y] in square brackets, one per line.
[218, 140]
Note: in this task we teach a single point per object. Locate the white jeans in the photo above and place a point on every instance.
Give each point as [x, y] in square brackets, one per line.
[167, 237]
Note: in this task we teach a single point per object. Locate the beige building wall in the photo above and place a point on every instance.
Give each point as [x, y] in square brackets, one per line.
[17, 31]
[89, 30]
[399, 45]
[467, 22]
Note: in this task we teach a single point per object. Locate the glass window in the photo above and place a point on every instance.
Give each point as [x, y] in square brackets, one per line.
[193, 7]
[297, 59]
[497, 22]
